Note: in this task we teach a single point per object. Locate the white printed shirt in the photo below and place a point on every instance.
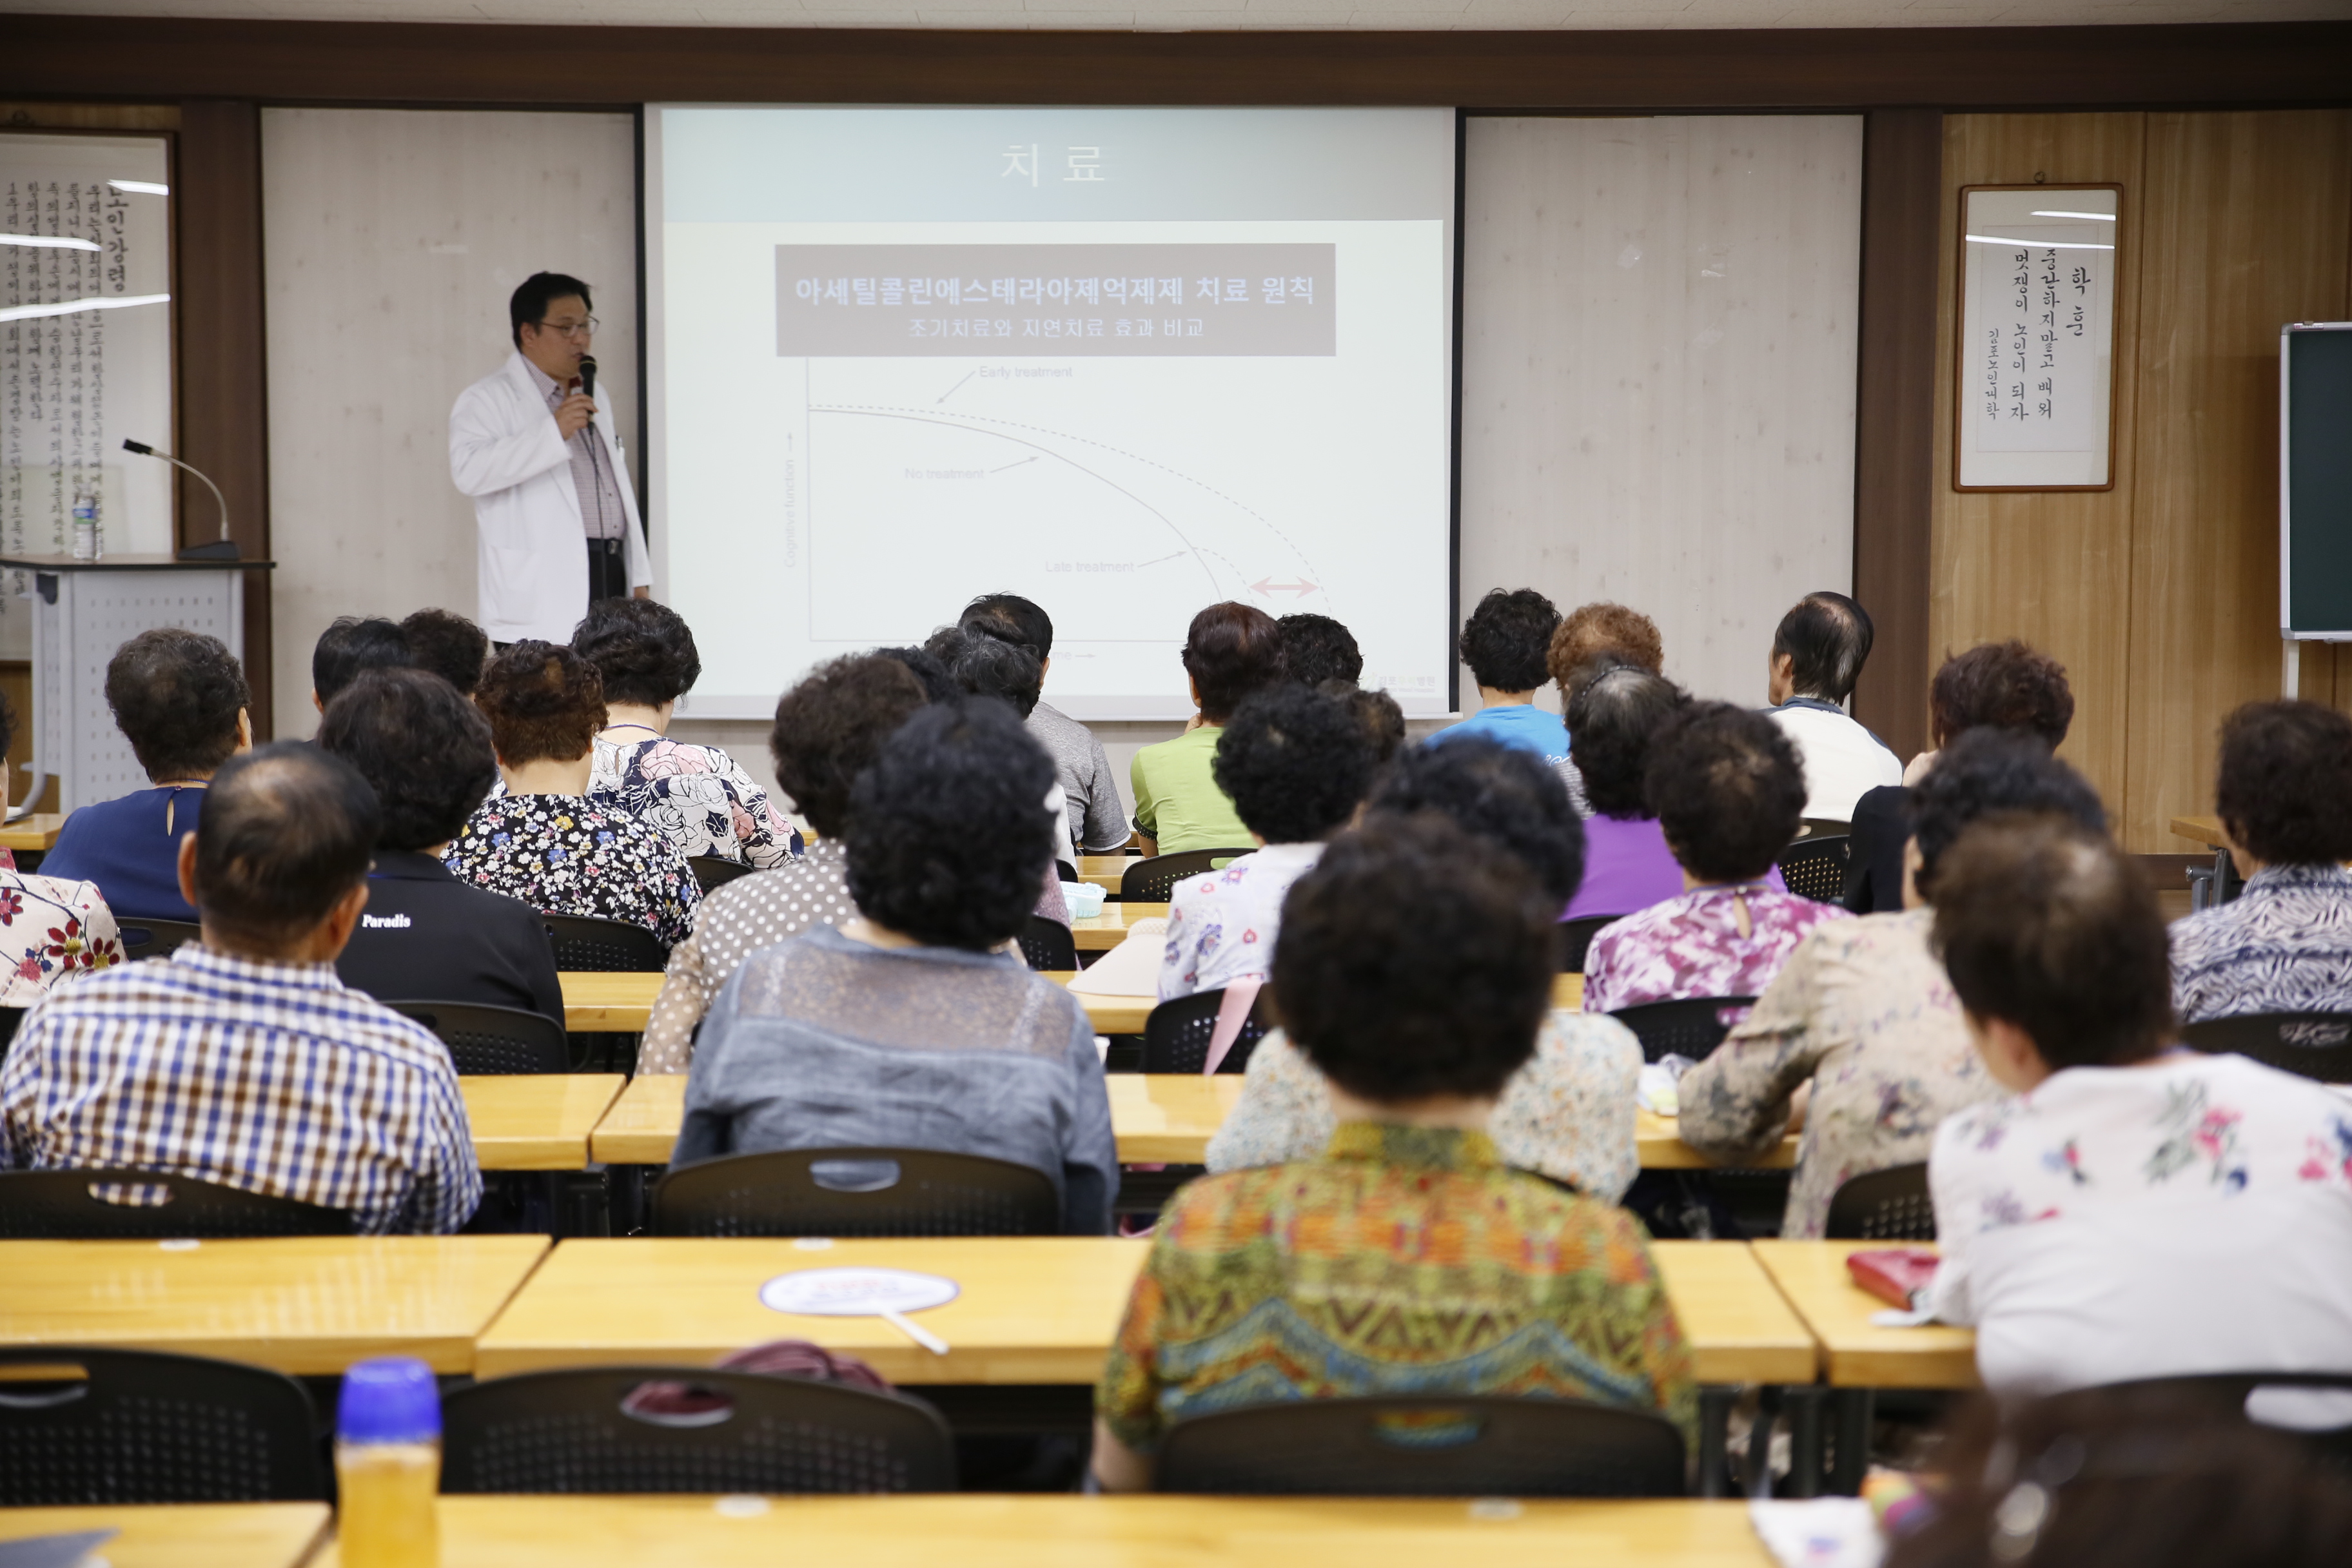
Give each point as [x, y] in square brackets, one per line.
[2283, 945]
[1222, 924]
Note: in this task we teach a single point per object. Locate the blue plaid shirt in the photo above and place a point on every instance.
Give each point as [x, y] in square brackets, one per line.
[269, 1077]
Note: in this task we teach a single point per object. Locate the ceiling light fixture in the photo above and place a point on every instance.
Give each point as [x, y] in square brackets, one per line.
[68, 307]
[48, 242]
[141, 187]
[2094, 218]
[2035, 244]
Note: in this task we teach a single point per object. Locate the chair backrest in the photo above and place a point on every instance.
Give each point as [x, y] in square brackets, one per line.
[1892, 1205]
[855, 1191]
[1815, 867]
[493, 1041]
[1064, 871]
[1048, 946]
[69, 1206]
[139, 1427]
[1426, 1446]
[1691, 1027]
[1576, 940]
[716, 871]
[144, 938]
[2316, 1044]
[1149, 881]
[572, 1431]
[1176, 1034]
[609, 947]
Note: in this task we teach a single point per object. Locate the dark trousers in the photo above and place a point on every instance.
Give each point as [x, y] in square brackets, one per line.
[608, 570]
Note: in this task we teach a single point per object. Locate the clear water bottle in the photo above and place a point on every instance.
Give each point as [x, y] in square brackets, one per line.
[85, 527]
[388, 1465]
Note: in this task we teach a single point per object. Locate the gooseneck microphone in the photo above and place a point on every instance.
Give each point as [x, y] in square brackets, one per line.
[224, 549]
[588, 376]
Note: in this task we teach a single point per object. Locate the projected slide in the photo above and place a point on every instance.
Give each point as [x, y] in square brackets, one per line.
[875, 401]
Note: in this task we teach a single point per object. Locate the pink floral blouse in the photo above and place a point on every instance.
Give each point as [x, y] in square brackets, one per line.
[50, 929]
[698, 797]
[1692, 946]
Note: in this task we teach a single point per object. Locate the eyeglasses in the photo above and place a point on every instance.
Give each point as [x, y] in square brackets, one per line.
[570, 330]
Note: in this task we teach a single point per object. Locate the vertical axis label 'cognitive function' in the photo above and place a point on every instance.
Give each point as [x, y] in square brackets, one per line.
[851, 301]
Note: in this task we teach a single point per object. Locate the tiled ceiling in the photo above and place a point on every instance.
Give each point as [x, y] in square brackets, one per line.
[1160, 15]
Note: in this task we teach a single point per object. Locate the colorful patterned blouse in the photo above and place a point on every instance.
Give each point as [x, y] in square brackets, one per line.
[50, 929]
[1406, 1260]
[1692, 946]
[562, 856]
[2283, 945]
[1567, 1114]
[1222, 926]
[1863, 1010]
[698, 797]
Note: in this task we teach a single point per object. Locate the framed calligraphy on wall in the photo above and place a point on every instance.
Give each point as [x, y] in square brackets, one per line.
[2034, 407]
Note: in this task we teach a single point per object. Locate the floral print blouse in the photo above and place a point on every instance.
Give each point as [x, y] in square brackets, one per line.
[1222, 924]
[1863, 1010]
[50, 929]
[563, 855]
[1567, 1114]
[1692, 946]
[698, 797]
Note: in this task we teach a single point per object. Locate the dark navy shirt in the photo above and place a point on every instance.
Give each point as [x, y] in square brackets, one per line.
[424, 936]
[123, 846]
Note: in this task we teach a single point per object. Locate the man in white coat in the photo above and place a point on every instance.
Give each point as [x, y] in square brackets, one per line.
[557, 517]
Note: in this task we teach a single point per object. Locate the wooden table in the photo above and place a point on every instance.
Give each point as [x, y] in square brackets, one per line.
[37, 831]
[1660, 1141]
[607, 1003]
[2205, 830]
[537, 1123]
[305, 1305]
[185, 1535]
[1740, 1328]
[1104, 871]
[1855, 1352]
[980, 1530]
[1101, 933]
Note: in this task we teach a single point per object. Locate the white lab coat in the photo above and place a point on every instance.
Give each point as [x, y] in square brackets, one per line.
[531, 555]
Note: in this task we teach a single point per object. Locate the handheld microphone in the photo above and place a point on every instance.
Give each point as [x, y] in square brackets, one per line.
[588, 376]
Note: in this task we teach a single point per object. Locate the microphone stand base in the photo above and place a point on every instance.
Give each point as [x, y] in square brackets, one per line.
[219, 550]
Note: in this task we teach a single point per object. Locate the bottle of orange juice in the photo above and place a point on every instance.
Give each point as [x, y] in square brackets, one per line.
[388, 1465]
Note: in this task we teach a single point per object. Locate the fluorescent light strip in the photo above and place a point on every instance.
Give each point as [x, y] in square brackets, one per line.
[141, 187]
[47, 242]
[68, 307]
[2094, 218]
[2035, 244]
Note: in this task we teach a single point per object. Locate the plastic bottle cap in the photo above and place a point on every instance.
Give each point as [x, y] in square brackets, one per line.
[391, 1399]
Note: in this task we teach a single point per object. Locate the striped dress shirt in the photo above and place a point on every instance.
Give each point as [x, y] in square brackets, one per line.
[273, 1078]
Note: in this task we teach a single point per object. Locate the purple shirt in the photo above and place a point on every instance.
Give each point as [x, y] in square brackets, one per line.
[1627, 866]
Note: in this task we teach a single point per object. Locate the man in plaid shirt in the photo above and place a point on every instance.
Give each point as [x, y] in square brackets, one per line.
[243, 1060]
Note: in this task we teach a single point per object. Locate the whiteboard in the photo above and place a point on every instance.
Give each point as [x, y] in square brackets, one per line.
[2033, 409]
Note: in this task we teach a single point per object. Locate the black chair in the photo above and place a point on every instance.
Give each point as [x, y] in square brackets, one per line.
[144, 938]
[1064, 871]
[855, 1191]
[60, 1205]
[493, 1041]
[1892, 1205]
[1424, 1446]
[1692, 1028]
[11, 1020]
[1815, 867]
[583, 942]
[1148, 881]
[572, 1431]
[2316, 1044]
[1176, 1034]
[1048, 946]
[714, 871]
[1576, 940]
[139, 1426]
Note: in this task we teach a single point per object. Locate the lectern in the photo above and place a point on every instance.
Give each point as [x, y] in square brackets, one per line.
[83, 611]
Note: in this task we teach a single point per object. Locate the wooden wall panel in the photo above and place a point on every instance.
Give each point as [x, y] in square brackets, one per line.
[2051, 568]
[2244, 227]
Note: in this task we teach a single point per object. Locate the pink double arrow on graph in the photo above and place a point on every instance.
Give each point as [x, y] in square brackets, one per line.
[1268, 585]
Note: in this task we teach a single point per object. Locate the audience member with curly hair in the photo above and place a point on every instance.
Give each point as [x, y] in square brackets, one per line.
[425, 936]
[1230, 651]
[349, 649]
[1089, 790]
[544, 841]
[1817, 653]
[697, 796]
[1316, 648]
[2127, 1209]
[1862, 1011]
[985, 664]
[828, 730]
[1569, 1113]
[1506, 642]
[180, 699]
[1594, 639]
[913, 1024]
[1994, 685]
[1376, 714]
[448, 645]
[1728, 791]
[1415, 972]
[2285, 944]
[1296, 764]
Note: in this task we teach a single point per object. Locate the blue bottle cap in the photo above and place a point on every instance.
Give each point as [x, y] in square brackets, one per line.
[391, 1399]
